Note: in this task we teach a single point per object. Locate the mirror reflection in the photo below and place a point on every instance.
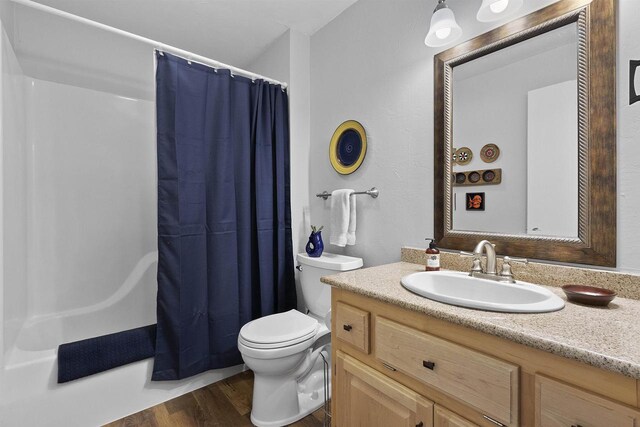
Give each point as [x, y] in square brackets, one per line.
[515, 138]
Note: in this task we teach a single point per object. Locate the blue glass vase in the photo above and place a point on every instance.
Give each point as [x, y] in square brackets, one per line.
[315, 246]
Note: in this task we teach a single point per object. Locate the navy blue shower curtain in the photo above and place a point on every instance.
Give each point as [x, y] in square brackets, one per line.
[224, 216]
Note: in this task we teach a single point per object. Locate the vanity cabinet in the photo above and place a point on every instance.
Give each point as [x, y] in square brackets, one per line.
[404, 368]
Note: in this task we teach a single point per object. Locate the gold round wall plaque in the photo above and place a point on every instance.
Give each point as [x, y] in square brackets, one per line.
[464, 155]
[348, 147]
[490, 153]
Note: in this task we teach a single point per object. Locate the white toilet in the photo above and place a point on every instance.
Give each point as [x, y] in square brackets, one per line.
[287, 351]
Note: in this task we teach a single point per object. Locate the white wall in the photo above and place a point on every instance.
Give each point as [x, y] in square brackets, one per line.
[2, 124]
[370, 64]
[492, 108]
[274, 61]
[6, 16]
[628, 140]
[300, 116]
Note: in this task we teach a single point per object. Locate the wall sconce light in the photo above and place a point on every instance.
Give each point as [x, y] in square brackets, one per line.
[633, 95]
[492, 10]
[443, 29]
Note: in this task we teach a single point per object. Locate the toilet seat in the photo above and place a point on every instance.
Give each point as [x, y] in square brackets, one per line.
[278, 330]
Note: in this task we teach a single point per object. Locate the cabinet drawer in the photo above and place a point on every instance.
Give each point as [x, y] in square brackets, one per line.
[559, 404]
[352, 326]
[483, 382]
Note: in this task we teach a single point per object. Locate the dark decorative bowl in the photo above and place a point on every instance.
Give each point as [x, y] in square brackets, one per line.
[589, 295]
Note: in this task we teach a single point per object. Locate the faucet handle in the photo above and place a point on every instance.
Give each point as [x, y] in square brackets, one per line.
[477, 266]
[506, 267]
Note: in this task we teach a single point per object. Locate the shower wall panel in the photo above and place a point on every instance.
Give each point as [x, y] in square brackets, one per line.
[91, 189]
[13, 191]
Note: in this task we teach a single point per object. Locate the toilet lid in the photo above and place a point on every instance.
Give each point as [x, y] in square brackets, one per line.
[280, 329]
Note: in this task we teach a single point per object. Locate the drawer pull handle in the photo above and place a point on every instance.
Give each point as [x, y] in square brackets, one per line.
[498, 423]
[576, 425]
[420, 424]
[347, 327]
[391, 368]
[428, 364]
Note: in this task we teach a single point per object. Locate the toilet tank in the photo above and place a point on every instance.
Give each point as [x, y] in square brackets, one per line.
[317, 295]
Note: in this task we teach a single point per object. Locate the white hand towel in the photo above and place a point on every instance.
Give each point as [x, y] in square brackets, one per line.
[351, 231]
[340, 216]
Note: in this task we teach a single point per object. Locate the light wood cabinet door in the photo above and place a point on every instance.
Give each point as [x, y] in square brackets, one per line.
[561, 405]
[445, 418]
[367, 398]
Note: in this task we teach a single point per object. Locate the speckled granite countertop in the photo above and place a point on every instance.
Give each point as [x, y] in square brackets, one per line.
[577, 332]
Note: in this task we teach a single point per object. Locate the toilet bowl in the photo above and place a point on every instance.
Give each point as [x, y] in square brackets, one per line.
[289, 353]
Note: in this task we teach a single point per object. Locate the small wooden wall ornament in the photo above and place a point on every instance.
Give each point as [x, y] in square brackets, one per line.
[478, 177]
[464, 155]
[490, 153]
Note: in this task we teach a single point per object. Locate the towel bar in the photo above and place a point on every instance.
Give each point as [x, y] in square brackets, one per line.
[373, 193]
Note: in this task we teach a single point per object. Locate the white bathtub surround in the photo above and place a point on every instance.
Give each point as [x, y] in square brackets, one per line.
[13, 299]
[343, 218]
[29, 394]
[78, 218]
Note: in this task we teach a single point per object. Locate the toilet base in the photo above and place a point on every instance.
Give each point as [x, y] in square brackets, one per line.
[289, 400]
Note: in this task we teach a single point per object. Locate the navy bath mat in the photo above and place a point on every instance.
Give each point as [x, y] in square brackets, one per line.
[91, 356]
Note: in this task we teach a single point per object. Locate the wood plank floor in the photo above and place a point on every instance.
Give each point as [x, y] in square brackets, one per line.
[226, 403]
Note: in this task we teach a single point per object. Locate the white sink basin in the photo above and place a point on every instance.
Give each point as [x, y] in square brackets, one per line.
[458, 288]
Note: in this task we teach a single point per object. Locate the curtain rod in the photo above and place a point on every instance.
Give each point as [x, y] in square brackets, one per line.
[157, 45]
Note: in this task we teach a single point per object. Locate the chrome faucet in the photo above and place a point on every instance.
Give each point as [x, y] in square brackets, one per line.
[489, 272]
[488, 247]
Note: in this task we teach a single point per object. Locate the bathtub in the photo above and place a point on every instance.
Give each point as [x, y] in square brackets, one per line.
[29, 393]
[77, 217]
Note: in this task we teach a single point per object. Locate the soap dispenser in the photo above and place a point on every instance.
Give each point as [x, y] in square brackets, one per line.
[433, 257]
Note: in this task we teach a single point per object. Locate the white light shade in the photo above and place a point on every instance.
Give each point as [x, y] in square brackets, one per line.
[492, 10]
[444, 29]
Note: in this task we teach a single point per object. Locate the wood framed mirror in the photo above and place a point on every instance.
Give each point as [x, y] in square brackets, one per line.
[556, 199]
